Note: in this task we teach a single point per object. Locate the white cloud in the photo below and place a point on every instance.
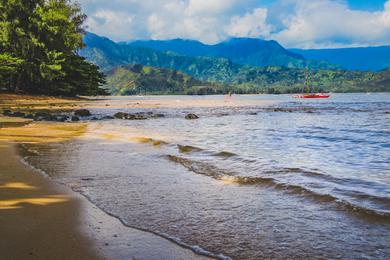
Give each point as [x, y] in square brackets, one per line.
[252, 25]
[319, 23]
[297, 23]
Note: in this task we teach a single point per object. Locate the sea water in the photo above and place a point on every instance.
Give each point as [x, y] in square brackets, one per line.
[273, 177]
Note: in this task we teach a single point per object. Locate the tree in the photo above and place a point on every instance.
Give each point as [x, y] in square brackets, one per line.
[43, 38]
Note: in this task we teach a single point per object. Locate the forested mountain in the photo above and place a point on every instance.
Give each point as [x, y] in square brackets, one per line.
[246, 51]
[223, 74]
[139, 79]
[39, 41]
[363, 58]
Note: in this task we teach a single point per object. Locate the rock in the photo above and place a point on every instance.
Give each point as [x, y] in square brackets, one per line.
[29, 116]
[158, 115]
[75, 118]
[44, 116]
[82, 112]
[137, 117]
[120, 115]
[191, 116]
[7, 112]
[18, 114]
[62, 118]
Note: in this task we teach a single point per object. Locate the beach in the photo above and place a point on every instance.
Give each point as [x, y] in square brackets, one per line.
[42, 219]
[261, 176]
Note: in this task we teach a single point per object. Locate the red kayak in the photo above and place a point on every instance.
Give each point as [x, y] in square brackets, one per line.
[313, 95]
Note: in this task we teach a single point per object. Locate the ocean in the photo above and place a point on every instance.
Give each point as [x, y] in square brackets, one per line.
[255, 177]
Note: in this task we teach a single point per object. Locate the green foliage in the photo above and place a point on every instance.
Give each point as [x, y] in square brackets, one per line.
[139, 79]
[39, 41]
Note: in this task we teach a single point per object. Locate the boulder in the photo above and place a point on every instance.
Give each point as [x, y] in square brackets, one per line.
[75, 118]
[82, 112]
[44, 116]
[120, 115]
[62, 118]
[18, 114]
[191, 116]
[158, 115]
[7, 112]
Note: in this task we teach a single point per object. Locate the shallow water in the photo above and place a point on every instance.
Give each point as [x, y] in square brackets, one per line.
[259, 177]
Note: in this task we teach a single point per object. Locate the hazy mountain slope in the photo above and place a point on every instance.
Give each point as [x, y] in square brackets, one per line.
[364, 58]
[246, 51]
[108, 54]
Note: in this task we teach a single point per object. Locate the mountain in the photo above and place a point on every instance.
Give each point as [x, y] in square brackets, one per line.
[139, 79]
[108, 54]
[222, 74]
[245, 51]
[363, 58]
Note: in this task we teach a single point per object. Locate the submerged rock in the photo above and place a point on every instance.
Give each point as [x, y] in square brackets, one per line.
[82, 112]
[191, 116]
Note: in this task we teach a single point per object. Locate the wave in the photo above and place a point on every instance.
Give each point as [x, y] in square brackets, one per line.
[194, 248]
[268, 181]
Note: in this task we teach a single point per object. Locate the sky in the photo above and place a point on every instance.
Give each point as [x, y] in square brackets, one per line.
[293, 23]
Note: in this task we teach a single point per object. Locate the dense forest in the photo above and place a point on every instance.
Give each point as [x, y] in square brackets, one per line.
[39, 44]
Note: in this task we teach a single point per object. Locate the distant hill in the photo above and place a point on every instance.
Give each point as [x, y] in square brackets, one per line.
[139, 79]
[245, 51]
[364, 58]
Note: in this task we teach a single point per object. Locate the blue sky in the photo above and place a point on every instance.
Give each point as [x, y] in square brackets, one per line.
[293, 23]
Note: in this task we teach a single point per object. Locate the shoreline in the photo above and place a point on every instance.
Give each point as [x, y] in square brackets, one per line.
[42, 219]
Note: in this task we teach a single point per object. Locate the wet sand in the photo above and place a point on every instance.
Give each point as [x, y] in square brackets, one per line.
[44, 220]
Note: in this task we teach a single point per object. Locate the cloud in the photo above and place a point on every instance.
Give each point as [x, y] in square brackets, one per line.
[319, 23]
[252, 24]
[294, 23]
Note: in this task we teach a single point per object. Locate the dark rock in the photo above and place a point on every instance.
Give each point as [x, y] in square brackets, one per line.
[18, 114]
[75, 118]
[62, 118]
[191, 116]
[158, 115]
[120, 115]
[7, 112]
[44, 116]
[82, 112]
[87, 179]
[29, 116]
[137, 117]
